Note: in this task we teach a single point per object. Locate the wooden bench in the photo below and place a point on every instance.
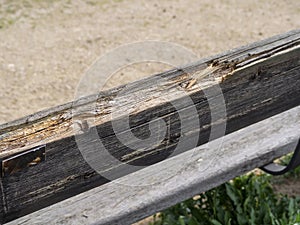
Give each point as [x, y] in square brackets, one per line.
[41, 163]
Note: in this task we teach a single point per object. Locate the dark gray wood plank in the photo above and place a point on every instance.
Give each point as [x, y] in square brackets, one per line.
[257, 81]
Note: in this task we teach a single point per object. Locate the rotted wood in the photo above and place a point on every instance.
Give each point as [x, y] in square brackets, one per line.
[40, 160]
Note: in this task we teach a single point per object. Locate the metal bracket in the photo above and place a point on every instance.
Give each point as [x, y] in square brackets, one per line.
[20, 161]
[276, 169]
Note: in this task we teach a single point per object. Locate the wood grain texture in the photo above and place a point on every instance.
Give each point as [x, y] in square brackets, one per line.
[257, 82]
[129, 199]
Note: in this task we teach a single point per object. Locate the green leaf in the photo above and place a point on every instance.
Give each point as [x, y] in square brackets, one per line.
[252, 216]
[227, 218]
[241, 219]
[215, 222]
[181, 220]
[192, 221]
[232, 194]
[291, 207]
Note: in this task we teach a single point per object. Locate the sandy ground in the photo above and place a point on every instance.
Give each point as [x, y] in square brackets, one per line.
[46, 46]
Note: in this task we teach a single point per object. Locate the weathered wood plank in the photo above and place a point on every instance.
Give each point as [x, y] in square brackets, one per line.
[120, 203]
[257, 81]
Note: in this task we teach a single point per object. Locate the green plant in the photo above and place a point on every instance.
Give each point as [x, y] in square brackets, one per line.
[248, 199]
